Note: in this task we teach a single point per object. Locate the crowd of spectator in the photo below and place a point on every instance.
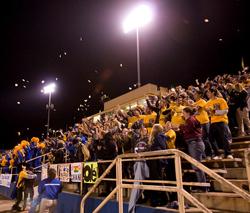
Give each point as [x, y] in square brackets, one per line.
[200, 120]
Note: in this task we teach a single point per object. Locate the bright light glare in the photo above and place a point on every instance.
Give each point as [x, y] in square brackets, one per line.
[138, 17]
[49, 88]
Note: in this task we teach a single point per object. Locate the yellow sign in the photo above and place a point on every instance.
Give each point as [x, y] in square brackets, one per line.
[90, 172]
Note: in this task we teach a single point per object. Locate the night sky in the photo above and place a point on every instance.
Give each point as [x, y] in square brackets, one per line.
[80, 45]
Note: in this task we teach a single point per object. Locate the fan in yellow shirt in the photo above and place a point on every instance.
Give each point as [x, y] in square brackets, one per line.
[171, 135]
[149, 121]
[217, 109]
[3, 161]
[177, 110]
[200, 104]
[203, 118]
[162, 116]
[137, 116]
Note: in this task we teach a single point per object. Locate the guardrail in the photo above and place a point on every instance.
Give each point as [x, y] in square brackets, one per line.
[181, 192]
[44, 160]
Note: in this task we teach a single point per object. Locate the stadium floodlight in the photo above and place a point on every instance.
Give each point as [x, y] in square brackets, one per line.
[136, 19]
[49, 89]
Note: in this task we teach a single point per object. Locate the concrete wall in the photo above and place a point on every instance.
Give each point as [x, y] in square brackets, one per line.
[131, 96]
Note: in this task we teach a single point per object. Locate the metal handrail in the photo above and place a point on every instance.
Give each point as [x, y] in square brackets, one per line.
[46, 154]
[40, 156]
[179, 184]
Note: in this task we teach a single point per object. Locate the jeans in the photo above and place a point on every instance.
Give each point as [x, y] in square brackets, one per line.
[48, 206]
[34, 204]
[228, 134]
[141, 172]
[196, 150]
[242, 116]
[217, 137]
[205, 138]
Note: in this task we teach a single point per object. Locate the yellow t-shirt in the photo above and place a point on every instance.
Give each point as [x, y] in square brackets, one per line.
[12, 162]
[149, 121]
[21, 176]
[201, 115]
[162, 117]
[177, 115]
[217, 104]
[133, 119]
[172, 137]
[4, 161]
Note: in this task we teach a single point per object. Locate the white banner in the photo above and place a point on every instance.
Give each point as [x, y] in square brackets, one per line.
[54, 166]
[44, 173]
[64, 170]
[5, 180]
[76, 172]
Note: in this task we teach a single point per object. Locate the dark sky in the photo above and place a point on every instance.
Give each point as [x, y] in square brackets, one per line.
[176, 48]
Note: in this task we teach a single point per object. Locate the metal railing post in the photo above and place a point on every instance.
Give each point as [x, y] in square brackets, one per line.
[65, 156]
[247, 162]
[81, 186]
[181, 192]
[119, 184]
[178, 173]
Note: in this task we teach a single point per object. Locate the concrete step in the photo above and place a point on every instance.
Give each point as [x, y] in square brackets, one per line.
[237, 153]
[238, 145]
[219, 171]
[235, 173]
[223, 201]
[191, 210]
[240, 139]
[241, 183]
[176, 210]
[223, 163]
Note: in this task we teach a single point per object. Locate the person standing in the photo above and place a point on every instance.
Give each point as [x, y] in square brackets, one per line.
[49, 189]
[28, 187]
[202, 116]
[242, 111]
[217, 108]
[157, 141]
[192, 133]
[20, 186]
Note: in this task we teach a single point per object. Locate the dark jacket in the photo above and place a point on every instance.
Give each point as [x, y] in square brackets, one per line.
[159, 142]
[59, 155]
[109, 151]
[79, 153]
[241, 99]
[29, 183]
[109, 148]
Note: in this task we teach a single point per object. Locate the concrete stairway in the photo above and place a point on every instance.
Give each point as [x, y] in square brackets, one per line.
[220, 198]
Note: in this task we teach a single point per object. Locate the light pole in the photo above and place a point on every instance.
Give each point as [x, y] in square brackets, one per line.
[138, 17]
[49, 89]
